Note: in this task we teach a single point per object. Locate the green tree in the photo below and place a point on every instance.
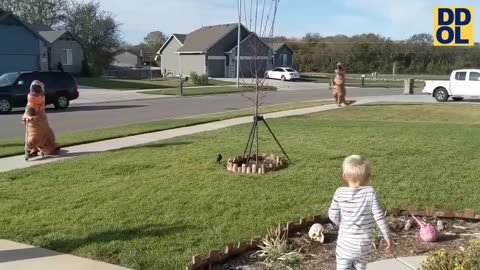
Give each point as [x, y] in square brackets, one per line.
[97, 30]
[155, 40]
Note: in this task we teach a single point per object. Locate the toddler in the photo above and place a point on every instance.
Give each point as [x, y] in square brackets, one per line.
[353, 210]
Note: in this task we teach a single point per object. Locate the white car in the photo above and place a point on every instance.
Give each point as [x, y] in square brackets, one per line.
[283, 73]
[462, 83]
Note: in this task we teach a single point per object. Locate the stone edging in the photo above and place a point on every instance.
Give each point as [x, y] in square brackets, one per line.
[215, 256]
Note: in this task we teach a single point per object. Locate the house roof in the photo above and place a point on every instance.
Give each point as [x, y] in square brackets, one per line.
[4, 15]
[180, 37]
[253, 34]
[52, 36]
[199, 41]
[40, 27]
[120, 51]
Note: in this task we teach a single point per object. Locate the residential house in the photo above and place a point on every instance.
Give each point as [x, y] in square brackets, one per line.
[64, 49]
[283, 55]
[124, 58]
[211, 50]
[21, 47]
[169, 59]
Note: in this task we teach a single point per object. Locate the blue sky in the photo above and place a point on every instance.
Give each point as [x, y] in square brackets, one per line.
[397, 19]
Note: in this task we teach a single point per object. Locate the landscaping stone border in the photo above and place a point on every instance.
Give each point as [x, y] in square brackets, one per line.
[215, 256]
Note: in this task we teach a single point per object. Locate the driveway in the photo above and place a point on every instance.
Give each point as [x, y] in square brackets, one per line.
[283, 86]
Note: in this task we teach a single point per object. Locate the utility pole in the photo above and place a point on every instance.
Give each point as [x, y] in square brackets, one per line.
[238, 41]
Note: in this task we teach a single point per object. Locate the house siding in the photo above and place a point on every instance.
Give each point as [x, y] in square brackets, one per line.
[77, 55]
[127, 59]
[216, 68]
[192, 63]
[250, 49]
[278, 57]
[227, 42]
[19, 49]
[170, 59]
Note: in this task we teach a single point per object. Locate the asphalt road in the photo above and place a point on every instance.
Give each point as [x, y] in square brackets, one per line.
[99, 115]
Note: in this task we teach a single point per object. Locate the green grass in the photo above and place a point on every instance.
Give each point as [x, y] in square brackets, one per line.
[387, 76]
[10, 147]
[153, 207]
[357, 82]
[204, 91]
[124, 84]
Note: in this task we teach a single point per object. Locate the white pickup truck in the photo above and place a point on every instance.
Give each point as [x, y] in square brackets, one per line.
[462, 83]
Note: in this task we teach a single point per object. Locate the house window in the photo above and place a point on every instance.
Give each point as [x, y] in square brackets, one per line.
[67, 57]
[284, 60]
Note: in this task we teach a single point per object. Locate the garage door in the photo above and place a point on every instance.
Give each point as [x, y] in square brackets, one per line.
[14, 63]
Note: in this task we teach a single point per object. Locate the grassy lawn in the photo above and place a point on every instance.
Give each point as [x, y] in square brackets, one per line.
[123, 84]
[388, 76]
[152, 207]
[357, 82]
[204, 90]
[9, 147]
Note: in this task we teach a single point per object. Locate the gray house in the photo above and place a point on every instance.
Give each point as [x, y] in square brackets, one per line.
[284, 55]
[124, 58]
[64, 48]
[169, 59]
[21, 47]
[211, 50]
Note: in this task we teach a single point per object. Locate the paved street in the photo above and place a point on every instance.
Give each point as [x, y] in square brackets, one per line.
[97, 115]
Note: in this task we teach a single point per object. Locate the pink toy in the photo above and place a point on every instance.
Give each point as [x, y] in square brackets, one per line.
[428, 232]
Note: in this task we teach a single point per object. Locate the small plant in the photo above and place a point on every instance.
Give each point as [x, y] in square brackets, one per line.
[203, 80]
[274, 248]
[442, 260]
[193, 77]
[472, 256]
[468, 259]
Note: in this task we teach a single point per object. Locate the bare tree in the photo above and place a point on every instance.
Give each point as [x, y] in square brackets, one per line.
[256, 57]
[45, 12]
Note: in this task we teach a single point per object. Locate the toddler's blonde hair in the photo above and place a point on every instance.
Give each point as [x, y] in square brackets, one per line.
[356, 167]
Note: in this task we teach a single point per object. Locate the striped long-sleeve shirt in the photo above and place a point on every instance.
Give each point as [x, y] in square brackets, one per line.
[354, 210]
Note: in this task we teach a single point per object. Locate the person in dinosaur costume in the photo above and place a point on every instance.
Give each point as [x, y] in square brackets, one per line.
[41, 138]
[338, 83]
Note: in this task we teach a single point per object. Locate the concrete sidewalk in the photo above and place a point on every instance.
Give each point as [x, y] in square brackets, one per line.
[16, 256]
[409, 263]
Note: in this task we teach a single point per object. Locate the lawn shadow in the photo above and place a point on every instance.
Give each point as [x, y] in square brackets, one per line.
[158, 145]
[64, 154]
[144, 231]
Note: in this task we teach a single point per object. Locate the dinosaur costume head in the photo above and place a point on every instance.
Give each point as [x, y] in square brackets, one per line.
[340, 69]
[36, 97]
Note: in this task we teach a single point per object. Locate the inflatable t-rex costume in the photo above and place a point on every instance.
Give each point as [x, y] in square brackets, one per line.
[338, 83]
[40, 136]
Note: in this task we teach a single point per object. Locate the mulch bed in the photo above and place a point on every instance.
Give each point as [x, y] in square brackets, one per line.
[456, 234]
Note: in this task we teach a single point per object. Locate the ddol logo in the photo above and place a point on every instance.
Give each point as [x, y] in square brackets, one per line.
[453, 26]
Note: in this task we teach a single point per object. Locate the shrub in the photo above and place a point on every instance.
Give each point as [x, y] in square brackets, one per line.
[203, 79]
[194, 77]
[467, 259]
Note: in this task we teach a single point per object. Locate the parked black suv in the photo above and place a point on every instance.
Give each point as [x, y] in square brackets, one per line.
[60, 88]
